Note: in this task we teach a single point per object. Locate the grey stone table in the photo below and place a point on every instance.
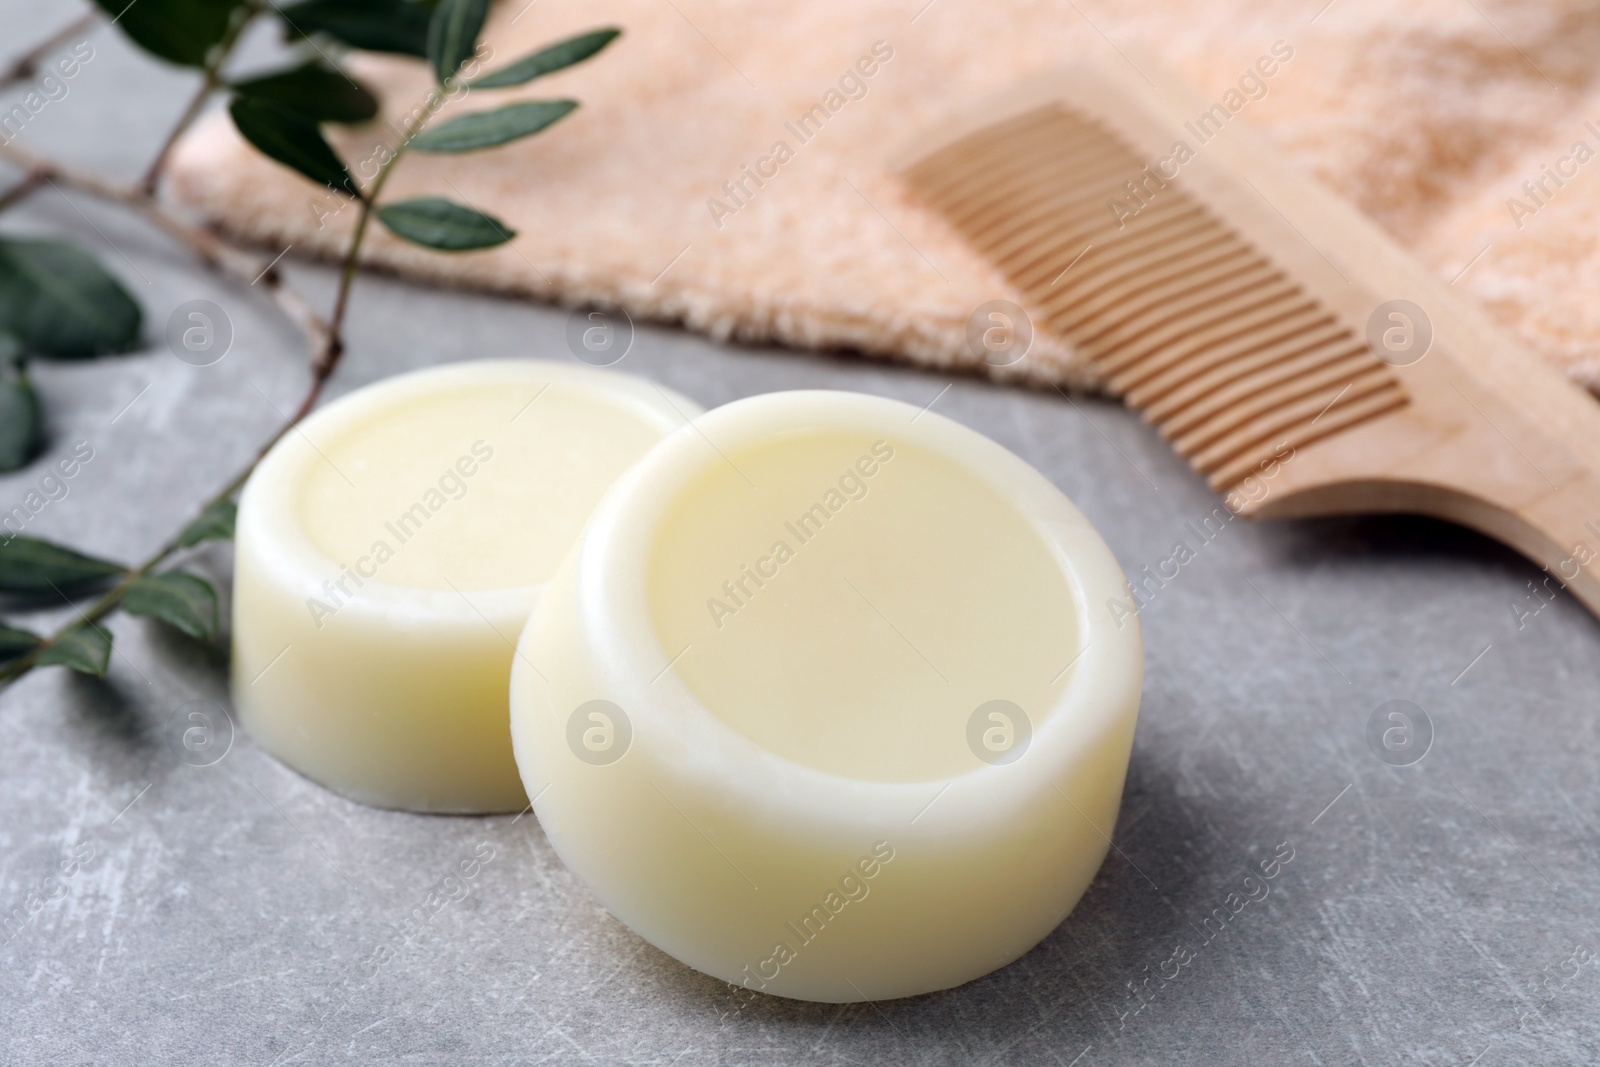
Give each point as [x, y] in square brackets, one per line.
[238, 914]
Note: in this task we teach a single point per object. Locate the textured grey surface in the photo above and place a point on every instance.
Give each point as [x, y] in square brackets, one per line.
[236, 913]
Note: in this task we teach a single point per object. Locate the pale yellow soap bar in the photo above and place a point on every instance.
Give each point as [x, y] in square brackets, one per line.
[823, 706]
[388, 553]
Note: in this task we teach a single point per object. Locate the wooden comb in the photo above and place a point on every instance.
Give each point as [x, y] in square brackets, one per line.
[1251, 315]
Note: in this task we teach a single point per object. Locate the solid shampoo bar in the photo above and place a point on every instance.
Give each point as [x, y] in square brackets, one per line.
[389, 550]
[820, 706]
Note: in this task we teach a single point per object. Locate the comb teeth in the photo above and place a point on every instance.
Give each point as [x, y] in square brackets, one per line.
[1226, 354]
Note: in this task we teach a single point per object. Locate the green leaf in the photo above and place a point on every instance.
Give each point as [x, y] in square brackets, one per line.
[292, 139]
[434, 222]
[180, 31]
[15, 642]
[21, 428]
[560, 55]
[485, 129]
[316, 91]
[453, 34]
[29, 565]
[178, 599]
[216, 523]
[58, 301]
[399, 26]
[85, 649]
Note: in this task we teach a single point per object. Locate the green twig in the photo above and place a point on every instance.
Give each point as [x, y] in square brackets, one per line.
[322, 368]
[210, 82]
[369, 202]
[112, 598]
[245, 268]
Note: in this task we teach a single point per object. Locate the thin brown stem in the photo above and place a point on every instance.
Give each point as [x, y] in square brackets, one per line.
[26, 65]
[369, 202]
[210, 82]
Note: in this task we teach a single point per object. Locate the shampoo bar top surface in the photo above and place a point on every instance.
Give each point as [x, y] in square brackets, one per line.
[388, 553]
[822, 705]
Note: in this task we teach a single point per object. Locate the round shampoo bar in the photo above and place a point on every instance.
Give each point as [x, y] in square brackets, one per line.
[388, 553]
[828, 703]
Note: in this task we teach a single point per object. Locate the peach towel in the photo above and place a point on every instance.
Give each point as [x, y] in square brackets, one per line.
[1456, 124]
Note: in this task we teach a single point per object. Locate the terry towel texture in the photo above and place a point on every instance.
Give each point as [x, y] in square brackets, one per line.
[726, 168]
